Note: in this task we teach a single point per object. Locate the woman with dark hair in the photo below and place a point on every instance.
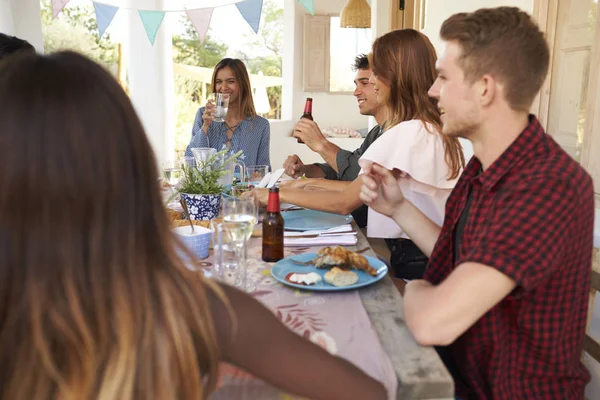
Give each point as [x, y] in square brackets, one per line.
[427, 163]
[243, 129]
[94, 302]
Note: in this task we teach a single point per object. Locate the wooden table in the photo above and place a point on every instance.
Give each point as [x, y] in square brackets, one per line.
[421, 374]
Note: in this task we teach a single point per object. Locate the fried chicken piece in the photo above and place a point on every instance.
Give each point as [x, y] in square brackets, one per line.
[358, 261]
[329, 257]
[343, 258]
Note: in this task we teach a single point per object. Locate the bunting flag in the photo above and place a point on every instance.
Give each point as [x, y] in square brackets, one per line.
[251, 10]
[309, 5]
[152, 18]
[200, 19]
[151, 21]
[104, 16]
[57, 6]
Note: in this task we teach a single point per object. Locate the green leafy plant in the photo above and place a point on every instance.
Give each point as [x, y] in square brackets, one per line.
[204, 177]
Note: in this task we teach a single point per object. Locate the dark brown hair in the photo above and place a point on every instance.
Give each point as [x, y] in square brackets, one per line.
[503, 42]
[245, 99]
[361, 61]
[10, 45]
[94, 301]
[405, 60]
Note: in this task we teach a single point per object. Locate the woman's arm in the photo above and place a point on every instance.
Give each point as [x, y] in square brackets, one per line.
[328, 184]
[334, 201]
[315, 184]
[264, 347]
[264, 147]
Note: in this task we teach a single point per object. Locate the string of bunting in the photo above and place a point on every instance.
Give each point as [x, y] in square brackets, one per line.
[198, 11]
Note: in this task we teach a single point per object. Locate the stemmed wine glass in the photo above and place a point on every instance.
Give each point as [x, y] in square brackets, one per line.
[239, 217]
[172, 172]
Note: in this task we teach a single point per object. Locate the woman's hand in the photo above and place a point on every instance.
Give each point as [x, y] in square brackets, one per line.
[260, 195]
[208, 116]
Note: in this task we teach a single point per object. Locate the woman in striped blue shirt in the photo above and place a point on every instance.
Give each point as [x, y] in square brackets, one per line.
[243, 129]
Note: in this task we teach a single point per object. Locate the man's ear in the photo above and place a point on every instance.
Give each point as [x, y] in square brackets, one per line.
[486, 90]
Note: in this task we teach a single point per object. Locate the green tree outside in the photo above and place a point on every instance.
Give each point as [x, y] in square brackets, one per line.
[75, 29]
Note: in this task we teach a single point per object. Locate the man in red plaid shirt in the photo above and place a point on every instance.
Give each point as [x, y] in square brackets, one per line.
[506, 289]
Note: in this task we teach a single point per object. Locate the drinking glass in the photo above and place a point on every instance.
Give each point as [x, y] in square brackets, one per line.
[221, 101]
[203, 154]
[188, 162]
[239, 217]
[172, 173]
[256, 173]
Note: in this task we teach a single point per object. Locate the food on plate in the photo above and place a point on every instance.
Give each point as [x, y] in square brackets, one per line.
[339, 277]
[338, 256]
[303, 279]
[237, 189]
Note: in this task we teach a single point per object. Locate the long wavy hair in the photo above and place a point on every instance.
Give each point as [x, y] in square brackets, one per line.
[94, 302]
[405, 60]
[245, 99]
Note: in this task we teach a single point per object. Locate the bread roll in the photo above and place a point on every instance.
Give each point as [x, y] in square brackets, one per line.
[338, 277]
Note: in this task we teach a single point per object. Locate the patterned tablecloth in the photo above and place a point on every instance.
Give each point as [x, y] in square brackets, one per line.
[336, 321]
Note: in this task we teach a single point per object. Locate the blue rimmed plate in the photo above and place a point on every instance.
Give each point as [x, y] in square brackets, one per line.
[283, 267]
[309, 220]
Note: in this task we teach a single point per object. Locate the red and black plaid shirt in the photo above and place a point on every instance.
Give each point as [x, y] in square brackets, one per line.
[531, 218]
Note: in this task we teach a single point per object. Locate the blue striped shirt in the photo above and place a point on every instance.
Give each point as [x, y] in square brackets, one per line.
[252, 136]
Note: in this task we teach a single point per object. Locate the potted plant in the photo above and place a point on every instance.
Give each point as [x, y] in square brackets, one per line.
[200, 188]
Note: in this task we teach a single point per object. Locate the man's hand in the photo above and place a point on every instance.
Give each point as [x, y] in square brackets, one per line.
[208, 116]
[294, 166]
[380, 189]
[308, 131]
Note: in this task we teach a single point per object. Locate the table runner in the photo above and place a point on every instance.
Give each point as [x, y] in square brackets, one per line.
[337, 321]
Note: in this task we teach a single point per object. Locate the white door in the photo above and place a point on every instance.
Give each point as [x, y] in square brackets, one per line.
[575, 32]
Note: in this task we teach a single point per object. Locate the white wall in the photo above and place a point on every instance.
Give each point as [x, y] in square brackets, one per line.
[328, 109]
[437, 11]
[21, 18]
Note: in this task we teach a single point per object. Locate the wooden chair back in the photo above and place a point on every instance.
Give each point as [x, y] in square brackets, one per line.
[590, 344]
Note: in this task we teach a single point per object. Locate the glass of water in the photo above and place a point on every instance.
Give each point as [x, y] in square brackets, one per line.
[256, 173]
[221, 101]
[172, 172]
[239, 217]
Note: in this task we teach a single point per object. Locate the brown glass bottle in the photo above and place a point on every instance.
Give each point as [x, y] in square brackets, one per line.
[272, 226]
[307, 112]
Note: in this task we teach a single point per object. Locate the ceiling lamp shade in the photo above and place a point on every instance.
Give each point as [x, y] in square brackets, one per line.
[356, 14]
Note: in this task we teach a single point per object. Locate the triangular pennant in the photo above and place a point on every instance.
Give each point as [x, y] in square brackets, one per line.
[251, 10]
[104, 16]
[200, 19]
[309, 5]
[151, 21]
[57, 6]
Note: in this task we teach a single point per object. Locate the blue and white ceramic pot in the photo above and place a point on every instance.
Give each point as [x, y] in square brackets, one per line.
[202, 206]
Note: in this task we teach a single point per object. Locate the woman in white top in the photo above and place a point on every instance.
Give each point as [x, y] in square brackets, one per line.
[427, 164]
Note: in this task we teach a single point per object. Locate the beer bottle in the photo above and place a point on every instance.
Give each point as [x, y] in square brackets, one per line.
[272, 226]
[307, 112]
